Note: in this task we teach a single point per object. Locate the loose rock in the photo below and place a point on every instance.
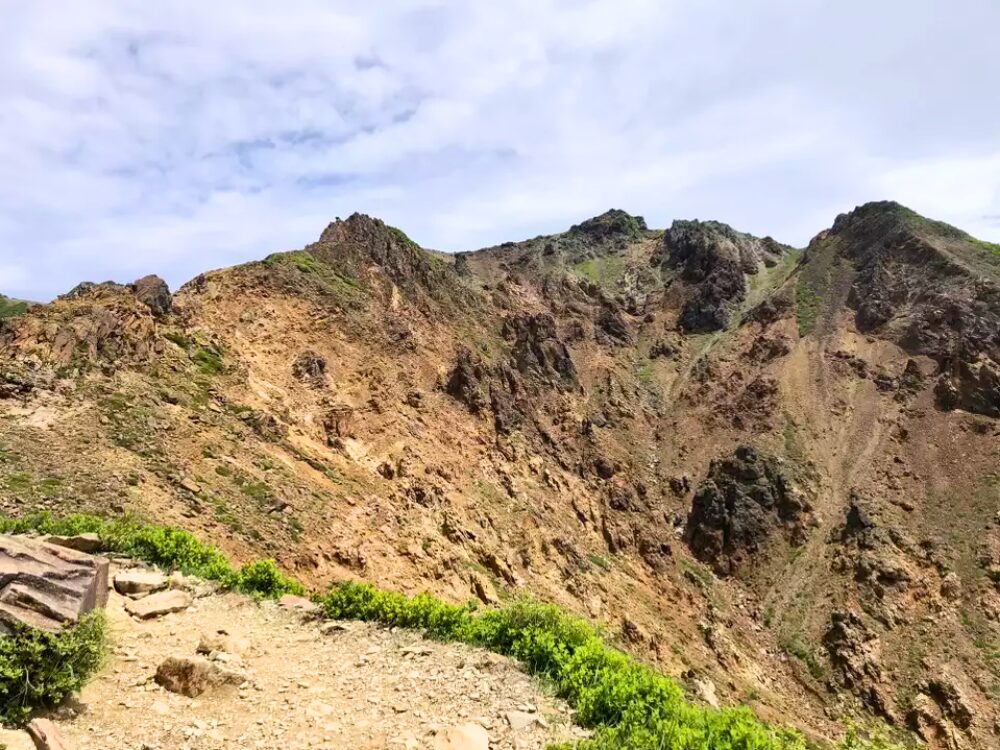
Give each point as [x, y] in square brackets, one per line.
[463, 737]
[46, 736]
[139, 582]
[155, 605]
[192, 676]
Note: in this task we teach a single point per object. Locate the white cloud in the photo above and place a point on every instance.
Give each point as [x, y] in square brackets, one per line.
[177, 136]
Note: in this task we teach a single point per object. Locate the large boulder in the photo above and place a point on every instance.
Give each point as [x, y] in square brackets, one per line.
[47, 586]
[154, 293]
[745, 499]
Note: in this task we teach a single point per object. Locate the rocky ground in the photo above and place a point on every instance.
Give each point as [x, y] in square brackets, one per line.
[293, 683]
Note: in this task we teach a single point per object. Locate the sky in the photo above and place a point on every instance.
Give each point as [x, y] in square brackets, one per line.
[173, 137]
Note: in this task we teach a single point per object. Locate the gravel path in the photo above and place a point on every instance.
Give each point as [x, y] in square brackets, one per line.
[307, 686]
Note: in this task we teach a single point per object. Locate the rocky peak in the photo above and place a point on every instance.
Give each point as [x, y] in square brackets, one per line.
[154, 293]
[613, 225]
[698, 246]
[714, 257]
[918, 282]
[362, 245]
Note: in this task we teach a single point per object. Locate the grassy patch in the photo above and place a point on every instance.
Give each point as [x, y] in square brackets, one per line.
[605, 271]
[11, 308]
[325, 276]
[39, 669]
[24, 485]
[807, 306]
[698, 572]
[797, 647]
[209, 361]
[129, 425]
[600, 561]
[402, 238]
[646, 373]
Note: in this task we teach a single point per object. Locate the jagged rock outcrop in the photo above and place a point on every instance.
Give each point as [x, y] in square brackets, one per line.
[466, 381]
[537, 349]
[365, 247]
[94, 323]
[714, 259]
[510, 390]
[918, 283]
[614, 227]
[853, 651]
[153, 292]
[870, 552]
[310, 368]
[48, 586]
[742, 503]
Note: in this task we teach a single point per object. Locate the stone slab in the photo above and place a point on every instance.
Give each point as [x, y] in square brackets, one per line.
[47, 586]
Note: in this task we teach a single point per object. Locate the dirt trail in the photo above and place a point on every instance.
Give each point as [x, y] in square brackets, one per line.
[361, 687]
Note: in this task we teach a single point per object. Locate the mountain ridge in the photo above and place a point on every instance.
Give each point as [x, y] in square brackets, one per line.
[763, 466]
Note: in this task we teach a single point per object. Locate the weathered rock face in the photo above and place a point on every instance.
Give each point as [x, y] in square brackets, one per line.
[465, 383]
[539, 360]
[915, 286]
[153, 292]
[310, 368]
[870, 552]
[715, 259]
[538, 350]
[365, 246]
[47, 586]
[853, 651]
[103, 323]
[739, 506]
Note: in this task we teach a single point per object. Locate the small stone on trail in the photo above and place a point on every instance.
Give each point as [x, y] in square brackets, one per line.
[46, 736]
[519, 720]
[462, 737]
[334, 627]
[224, 642]
[192, 676]
[162, 603]
[290, 601]
[139, 581]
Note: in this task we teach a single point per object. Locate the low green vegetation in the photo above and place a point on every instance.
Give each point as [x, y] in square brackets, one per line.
[39, 669]
[24, 485]
[626, 703]
[807, 306]
[796, 646]
[11, 308]
[326, 277]
[209, 360]
[604, 271]
[402, 237]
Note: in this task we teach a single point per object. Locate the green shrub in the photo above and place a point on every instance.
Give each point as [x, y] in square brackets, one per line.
[208, 360]
[39, 669]
[263, 579]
